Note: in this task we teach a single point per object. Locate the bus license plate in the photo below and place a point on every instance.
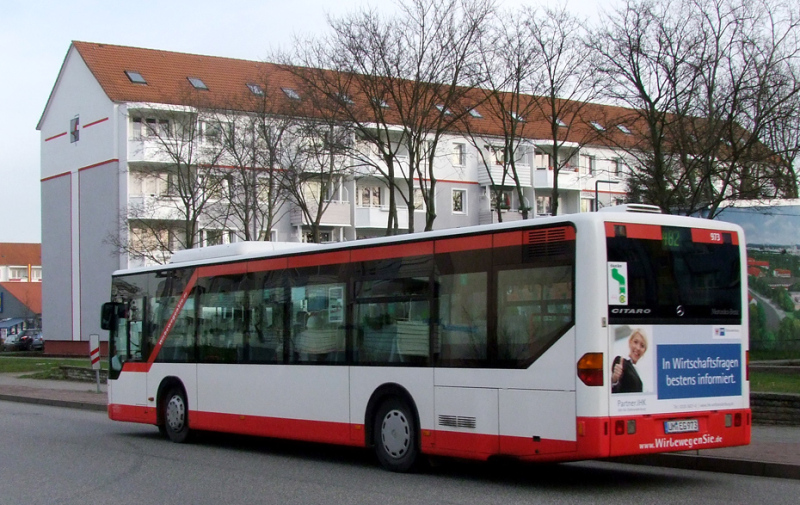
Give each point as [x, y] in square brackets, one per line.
[685, 426]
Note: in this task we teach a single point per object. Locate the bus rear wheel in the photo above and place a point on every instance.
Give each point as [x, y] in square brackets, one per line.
[175, 415]
[396, 436]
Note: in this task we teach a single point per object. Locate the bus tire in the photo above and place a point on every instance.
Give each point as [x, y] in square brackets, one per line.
[175, 413]
[396, 436]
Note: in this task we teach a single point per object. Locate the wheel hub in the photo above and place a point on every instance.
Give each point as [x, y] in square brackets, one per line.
[395, 433]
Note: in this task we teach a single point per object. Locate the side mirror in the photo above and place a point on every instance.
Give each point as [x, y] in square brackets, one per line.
[109, 314]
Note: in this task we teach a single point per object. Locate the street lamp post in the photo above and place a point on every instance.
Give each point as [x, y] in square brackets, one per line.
[596, 183]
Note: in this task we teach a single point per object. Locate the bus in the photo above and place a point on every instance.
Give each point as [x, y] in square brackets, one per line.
[563, 338]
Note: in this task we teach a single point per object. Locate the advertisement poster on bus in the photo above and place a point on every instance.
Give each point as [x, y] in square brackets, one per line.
[658, 368]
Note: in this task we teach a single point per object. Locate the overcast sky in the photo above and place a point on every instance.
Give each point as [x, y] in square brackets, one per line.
[35, 36]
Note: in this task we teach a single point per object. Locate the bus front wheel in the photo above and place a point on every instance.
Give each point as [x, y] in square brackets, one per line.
[395, 436]
[176, 415]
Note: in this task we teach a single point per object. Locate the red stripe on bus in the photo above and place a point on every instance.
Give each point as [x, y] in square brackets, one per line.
[651, 438]
[392, 251]
[276, 427]
[132, 413]
[464, 244]
[637, 231]
[702, 236]
[267, 265]
[135, 366]
[509, 239]
[225, 269]
[313, 260]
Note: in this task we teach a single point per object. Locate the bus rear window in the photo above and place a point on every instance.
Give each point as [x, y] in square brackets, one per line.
[673, 275]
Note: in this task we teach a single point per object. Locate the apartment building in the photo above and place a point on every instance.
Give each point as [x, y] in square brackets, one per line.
[110, 171]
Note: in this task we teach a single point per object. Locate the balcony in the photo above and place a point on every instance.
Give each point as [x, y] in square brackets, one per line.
[494, 176]
[378, 217]
[568, 178]
[490, 216]
[336, 214]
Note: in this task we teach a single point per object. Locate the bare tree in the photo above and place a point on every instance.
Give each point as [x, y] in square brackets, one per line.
[174, 193]
[402, 82]
[564, 84]
[700, 78]
[256, 129]
[315, 165]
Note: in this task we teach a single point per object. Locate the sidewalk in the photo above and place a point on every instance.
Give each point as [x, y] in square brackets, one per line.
[773, 452]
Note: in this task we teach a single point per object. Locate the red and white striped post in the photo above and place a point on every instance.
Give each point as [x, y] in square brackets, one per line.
[94, 357]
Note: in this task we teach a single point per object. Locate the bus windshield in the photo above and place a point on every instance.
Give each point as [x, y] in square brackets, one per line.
[671, 275]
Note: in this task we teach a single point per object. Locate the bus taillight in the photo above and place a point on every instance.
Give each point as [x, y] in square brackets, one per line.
[590, 369]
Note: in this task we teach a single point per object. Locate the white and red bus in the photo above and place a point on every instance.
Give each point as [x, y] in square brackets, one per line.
[573, 337]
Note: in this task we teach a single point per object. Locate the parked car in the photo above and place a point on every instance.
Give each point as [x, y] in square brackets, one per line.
[37, 344]
[11, 343]
[26, 338]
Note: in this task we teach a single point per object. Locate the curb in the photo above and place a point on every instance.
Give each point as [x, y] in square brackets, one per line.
[711, 464]
[55, 403]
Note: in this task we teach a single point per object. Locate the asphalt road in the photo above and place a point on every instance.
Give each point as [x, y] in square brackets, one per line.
[57, 456]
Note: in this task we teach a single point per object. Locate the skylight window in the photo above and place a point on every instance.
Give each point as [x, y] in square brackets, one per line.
[474, 113]
[294, 95]
[561, 123]
[516, 117]
[597, 126]
[441, 108]
[624, 129]
[256, 89]
[198, 83]
[135, 77]
[344, 98]
[380, 102]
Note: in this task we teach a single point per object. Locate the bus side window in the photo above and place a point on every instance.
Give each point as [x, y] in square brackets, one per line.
[462, 319]
[534, 307]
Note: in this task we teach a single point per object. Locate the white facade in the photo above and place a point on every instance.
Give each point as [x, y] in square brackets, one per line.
[97, 169]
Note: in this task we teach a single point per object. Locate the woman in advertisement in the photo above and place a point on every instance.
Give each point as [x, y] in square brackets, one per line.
[624, 377]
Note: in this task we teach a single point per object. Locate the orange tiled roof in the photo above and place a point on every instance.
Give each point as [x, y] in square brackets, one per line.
[15, 254]
[167, 75]
[28, 293]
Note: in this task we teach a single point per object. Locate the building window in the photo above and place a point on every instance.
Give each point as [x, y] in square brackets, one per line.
[369, 196]
[149, 127]
[18, 274]
[543, 206]
[419, 200]
[497, 154]
[217, 237]
[588, 164]
[587, 205]
[459, 201]
[459, 154]
[618, 166]
[506, 196]
[74, 129]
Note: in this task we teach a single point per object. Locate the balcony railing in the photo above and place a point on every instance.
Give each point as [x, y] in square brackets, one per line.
[336, 214]
[378, 217]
